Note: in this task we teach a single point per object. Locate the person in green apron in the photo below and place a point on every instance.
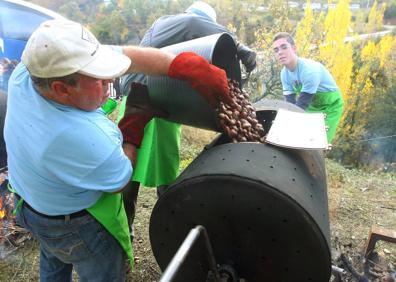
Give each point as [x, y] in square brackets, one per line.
[158, 161]
[308, 83]
[67, 161]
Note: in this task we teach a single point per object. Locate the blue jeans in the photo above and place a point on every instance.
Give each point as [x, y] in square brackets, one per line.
[82, 243]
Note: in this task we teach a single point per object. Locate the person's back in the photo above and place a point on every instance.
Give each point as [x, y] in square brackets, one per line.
[173, 29]
[169, 30]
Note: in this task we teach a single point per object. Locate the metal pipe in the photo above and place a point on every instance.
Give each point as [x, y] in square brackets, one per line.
[209, 252]
[337, 270]
[185, 248]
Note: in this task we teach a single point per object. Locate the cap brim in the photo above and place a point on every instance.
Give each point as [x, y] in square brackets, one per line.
[108, 64]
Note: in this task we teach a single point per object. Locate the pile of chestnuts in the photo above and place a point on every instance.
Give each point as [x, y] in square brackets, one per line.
[239, 120]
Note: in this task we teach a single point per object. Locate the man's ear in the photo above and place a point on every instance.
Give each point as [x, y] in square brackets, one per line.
[60, 89]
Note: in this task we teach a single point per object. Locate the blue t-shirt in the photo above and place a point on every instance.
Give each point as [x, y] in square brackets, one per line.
[60, 159]
[309, 76]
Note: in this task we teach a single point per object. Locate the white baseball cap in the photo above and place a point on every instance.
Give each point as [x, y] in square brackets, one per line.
[203, 9]
[61, 47]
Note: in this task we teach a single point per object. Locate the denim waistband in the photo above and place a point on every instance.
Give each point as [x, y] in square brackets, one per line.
[63, 217]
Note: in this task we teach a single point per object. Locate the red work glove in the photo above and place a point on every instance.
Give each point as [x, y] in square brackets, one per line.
[132, 127]
[209, 80]
[138, 112]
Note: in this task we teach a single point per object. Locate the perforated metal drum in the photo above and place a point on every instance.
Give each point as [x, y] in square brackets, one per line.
[264, 208]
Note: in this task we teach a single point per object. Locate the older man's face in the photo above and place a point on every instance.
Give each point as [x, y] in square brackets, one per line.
[89, 93]
[284, 52]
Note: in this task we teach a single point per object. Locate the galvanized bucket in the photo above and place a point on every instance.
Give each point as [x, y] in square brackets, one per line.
[183, 103]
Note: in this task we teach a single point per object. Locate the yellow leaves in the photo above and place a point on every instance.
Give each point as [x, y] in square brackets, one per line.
[304, 34]
[368, 86]
[369, 51]
[385, 48]
[337, 22]
[375, 71]
[375, 18]
[231, 27]
[279, 10]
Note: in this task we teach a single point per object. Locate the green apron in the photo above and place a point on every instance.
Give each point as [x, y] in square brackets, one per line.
[158, 157]
[330, 103]
[109, 211]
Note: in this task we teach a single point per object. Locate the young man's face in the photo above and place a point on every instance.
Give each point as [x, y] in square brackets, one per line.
[285, 52]
[89, 93]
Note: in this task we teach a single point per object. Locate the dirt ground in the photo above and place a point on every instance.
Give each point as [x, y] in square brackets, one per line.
[357, 201]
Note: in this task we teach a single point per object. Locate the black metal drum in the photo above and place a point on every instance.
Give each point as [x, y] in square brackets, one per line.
[265, 210]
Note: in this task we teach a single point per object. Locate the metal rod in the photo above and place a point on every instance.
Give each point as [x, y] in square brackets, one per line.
[209, 252]
[338, 270]
[185, 248]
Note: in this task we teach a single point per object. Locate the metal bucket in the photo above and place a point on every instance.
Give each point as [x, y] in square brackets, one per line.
[183, 103]
[265, 210]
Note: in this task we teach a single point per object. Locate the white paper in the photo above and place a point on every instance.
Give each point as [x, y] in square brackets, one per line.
[298, 130]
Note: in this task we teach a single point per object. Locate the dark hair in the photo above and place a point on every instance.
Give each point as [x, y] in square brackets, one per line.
[286, 35]
[45, 83]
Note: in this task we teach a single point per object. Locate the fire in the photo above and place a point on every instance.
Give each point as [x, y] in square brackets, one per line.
[2, 209]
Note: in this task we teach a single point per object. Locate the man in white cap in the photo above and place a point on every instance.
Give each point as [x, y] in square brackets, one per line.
[158, 162]
[67, 161]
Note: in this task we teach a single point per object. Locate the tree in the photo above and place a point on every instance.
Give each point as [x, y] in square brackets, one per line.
[111, 29]
[375, 18]
[370, 114]
[333, 51]
[266, 78]
[71, 10]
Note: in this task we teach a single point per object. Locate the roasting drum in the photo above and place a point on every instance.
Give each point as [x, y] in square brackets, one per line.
[265, 210]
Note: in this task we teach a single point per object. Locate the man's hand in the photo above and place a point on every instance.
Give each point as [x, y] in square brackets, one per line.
[130, 151]
[132, 127]
[247, 57]
[138, 112]
[209, 80]
[249, 61]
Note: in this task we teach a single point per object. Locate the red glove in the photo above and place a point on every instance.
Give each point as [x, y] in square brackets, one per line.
[209, 80]
[132, 127]
[138, 112]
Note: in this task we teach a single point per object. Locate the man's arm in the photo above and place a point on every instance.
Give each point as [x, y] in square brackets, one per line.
[130, 151]
[304, 100]
[291, 98]
[247, 56]
[150, 61]
[200, 27]
[287, 89]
